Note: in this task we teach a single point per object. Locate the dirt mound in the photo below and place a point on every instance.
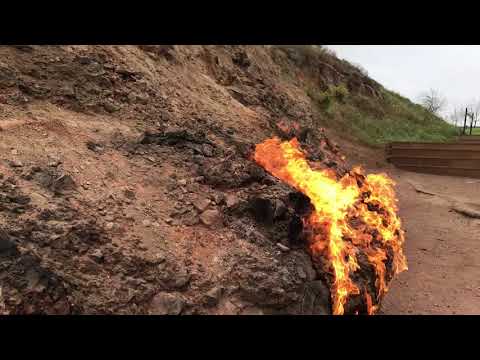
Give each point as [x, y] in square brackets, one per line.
[128, 186]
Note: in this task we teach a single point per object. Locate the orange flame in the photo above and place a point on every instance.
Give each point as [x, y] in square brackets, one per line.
[333, 238]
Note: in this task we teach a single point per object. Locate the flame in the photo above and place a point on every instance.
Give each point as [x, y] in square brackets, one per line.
[369, 199]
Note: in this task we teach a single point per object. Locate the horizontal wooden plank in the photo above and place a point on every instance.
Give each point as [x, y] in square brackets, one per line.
[451, 163]
[435, 146]
[432, 153]
[443, 171]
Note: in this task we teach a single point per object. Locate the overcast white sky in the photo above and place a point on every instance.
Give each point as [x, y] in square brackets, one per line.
[410, 69]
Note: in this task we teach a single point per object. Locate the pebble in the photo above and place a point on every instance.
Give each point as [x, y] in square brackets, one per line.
[16, 164]
[301, 273]
[146, 223]
[97, 254]
[56, 163]
[231, 200]
[283, 247]
[109, 226]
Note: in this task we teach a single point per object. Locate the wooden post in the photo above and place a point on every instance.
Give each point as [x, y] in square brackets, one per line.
[465, 122]
[471, 123]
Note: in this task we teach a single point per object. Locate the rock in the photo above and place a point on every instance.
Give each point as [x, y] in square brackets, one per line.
[167, 304]
[57, 163]
[171, 186]
[218, 198]
[211, 217]
[26, 48]
[5, 242]
[14, 152]
[16, 164]
[190, 218]
[283, 247]
[131, 97]
[97, 255]
[316, 299]
[129, 194]
[109, 226]
[146, 223]
[213, 296]
[231, 200]
[182, 182]
[251, 310]
[263, 210]
[160, 257]
[180, 279]
[280, 209]
[63, 183]
[301, 273]
[207, 150]
[135, 282]
[201, 203]
[110, 107]
[466, 209]
[94, 147]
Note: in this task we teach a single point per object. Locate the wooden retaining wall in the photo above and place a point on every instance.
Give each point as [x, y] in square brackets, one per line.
[459, 158]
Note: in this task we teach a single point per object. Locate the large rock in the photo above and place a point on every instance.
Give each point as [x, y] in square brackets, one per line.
[211, 218]
[201, 203]
[316, 299]
[167, 304]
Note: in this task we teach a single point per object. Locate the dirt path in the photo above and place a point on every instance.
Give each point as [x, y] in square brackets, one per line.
[442, 248]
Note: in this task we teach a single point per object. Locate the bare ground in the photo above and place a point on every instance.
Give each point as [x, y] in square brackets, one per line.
[441, 247]
[441, 244]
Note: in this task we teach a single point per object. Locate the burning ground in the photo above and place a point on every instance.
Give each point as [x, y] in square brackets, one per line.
[352, 227]
[138, 180]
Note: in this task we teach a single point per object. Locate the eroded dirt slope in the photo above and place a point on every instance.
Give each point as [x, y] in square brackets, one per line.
[126, 184]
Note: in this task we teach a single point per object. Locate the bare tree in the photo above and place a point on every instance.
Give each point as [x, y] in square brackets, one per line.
[456, 116]
[475, 110]
[433, 101]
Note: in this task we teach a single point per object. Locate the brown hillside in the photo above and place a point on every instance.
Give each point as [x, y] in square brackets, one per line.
[126, 183]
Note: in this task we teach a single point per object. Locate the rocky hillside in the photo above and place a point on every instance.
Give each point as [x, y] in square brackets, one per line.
[126, 180]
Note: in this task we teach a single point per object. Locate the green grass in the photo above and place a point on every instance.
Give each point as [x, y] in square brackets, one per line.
[372, 120]
[376, 121]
